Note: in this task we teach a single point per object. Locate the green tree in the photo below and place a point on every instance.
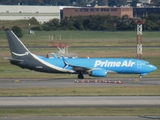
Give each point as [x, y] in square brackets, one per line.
[125, 23]
[78, 23]
[34, 21]
[152, 22]
[82, 3]
[30, 2]
[63, 2]
[53, 24]
[18, 31]
[153, 17]
[91, 22]
[150, 26]
[116, 2]
[103, 2]
[68, 23]
[9, 2]
[156, 2]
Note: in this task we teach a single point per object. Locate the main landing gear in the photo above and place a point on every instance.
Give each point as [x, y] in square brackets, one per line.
[80, 76]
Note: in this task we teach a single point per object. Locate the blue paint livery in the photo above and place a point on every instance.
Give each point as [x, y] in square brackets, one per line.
[96, 67]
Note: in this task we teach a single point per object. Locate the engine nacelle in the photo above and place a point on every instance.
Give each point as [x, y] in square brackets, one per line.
[98, 73]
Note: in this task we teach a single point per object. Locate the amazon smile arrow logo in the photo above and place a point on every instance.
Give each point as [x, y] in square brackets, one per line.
[26, 53]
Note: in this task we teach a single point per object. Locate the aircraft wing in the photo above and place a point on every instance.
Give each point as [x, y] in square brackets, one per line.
[75, 67]
[80, 68]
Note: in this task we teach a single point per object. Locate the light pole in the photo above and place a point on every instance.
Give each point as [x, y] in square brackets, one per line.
[139, 23]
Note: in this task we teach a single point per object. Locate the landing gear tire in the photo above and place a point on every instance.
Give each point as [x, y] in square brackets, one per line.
[80, 76]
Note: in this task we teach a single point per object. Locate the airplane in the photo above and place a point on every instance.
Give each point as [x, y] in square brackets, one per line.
[95, 67]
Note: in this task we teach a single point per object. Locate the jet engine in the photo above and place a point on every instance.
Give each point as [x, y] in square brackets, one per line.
[98, 73]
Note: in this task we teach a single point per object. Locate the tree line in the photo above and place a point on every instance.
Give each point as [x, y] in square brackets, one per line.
[71, 2]
[63, 2]
[100, 23]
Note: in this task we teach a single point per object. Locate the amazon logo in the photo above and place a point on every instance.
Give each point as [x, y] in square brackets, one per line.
[24, 54]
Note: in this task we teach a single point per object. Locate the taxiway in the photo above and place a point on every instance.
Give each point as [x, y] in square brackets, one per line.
[62, 82]
[98, 101]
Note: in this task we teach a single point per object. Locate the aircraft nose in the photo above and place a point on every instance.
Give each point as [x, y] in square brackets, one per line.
[153, 67]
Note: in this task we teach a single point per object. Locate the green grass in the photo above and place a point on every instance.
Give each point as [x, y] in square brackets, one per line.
[82, 91]
[149, 111]
[10, 23]
[86, 38]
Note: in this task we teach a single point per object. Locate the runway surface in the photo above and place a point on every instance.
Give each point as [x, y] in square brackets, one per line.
[100, 101]
[62, 82]
[63, 102]
[79, 101]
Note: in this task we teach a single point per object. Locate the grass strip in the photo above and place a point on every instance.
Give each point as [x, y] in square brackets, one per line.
[83, 91]
[85, 38]
[149, 111]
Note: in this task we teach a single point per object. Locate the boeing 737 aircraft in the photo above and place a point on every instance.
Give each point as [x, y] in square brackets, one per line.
[96, 67]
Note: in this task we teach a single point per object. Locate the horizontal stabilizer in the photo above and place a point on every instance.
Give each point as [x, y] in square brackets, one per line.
[14, 60]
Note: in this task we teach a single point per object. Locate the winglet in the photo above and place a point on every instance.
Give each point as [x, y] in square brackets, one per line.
[55, 56]
[66, 64]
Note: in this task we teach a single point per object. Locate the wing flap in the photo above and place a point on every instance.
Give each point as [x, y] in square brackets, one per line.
[79, 68]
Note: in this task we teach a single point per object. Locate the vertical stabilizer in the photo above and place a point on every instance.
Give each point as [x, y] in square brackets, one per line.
[17, 48]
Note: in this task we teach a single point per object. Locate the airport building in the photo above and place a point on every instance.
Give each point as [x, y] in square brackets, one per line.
[115, 11]
[46, 13]
[41, 13]
[144, 12]
[99, 10]
[139, 1]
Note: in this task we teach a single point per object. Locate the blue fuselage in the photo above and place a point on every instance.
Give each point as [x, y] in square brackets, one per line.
[116, 65]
